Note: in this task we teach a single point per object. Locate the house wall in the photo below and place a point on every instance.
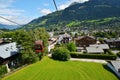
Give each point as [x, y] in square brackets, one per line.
[86, 41]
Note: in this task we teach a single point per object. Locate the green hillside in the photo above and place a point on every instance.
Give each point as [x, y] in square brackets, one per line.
[48, 69]
[90, 10]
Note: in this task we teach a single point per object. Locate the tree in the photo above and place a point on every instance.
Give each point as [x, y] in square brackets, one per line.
[41, 34]
[28, 56]
[71, 46]
[61, 54]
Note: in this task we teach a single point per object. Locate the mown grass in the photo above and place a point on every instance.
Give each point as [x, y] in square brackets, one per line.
[48, 69]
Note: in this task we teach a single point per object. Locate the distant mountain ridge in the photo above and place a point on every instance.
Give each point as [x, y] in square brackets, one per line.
[3, 26]
[90, 10]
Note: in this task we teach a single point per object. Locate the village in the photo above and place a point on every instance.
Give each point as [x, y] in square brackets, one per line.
[60, 40]
[88, 48]
[88, 45]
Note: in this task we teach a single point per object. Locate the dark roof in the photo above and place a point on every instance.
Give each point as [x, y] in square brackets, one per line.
[85, 37]
[103, 46]
[116, 64]
[112, 40]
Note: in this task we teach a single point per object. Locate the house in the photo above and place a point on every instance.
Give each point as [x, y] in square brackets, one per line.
[8, 53]
[85, 41]
[115, 67]
[104, 47]
[94, 50]
[39, 47]
[80, 49]
[52, 41]
[113, 43]
[65, 38]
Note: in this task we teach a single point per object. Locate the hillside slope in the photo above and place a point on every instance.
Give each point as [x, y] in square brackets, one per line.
[91, 10]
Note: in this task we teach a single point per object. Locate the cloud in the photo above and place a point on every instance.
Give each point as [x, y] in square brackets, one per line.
[5, 4]
[8, 11]
[45, 11]
[63, 6]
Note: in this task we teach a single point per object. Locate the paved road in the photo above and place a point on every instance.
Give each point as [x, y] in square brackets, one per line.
[89, 60]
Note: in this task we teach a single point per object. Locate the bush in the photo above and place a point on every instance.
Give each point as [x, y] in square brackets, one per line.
[94, 56]
[3, 70]
[110, 52]
[71, 46]
[61, 54]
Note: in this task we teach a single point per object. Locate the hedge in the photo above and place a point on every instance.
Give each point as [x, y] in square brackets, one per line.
[94, 56]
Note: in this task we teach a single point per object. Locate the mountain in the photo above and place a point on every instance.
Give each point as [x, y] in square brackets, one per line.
[79, 12]
[10, 27]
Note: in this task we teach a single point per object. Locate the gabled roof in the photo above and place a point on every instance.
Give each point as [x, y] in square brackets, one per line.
[94, 50]
[116, 64]
[103, 46]
[63, 36]
[112, 40]
[85, 37]
[8, 50]
[38, 42]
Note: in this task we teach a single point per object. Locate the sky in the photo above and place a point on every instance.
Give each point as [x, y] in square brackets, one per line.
[23, 11]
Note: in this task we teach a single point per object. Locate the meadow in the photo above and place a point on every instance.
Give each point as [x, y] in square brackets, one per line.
[49, 69]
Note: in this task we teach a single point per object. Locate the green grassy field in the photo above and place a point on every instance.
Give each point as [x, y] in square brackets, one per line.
[48, 69]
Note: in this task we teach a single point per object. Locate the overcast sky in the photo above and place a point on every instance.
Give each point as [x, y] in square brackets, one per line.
[23, 11]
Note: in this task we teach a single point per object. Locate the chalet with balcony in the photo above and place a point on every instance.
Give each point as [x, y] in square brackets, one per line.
[85, 41]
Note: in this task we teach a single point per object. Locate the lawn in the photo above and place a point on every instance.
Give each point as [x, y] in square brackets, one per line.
[48, 69]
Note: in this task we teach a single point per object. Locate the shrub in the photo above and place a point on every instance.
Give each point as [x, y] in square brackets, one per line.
[94, 56]
[61, 54]
[71, 46]
[3, 70]
[110, 52]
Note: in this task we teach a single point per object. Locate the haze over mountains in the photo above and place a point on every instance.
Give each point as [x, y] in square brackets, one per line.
[4, 26]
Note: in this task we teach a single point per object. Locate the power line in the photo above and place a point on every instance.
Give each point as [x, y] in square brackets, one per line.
[21, 25]
[55, 5]
[10, 20]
